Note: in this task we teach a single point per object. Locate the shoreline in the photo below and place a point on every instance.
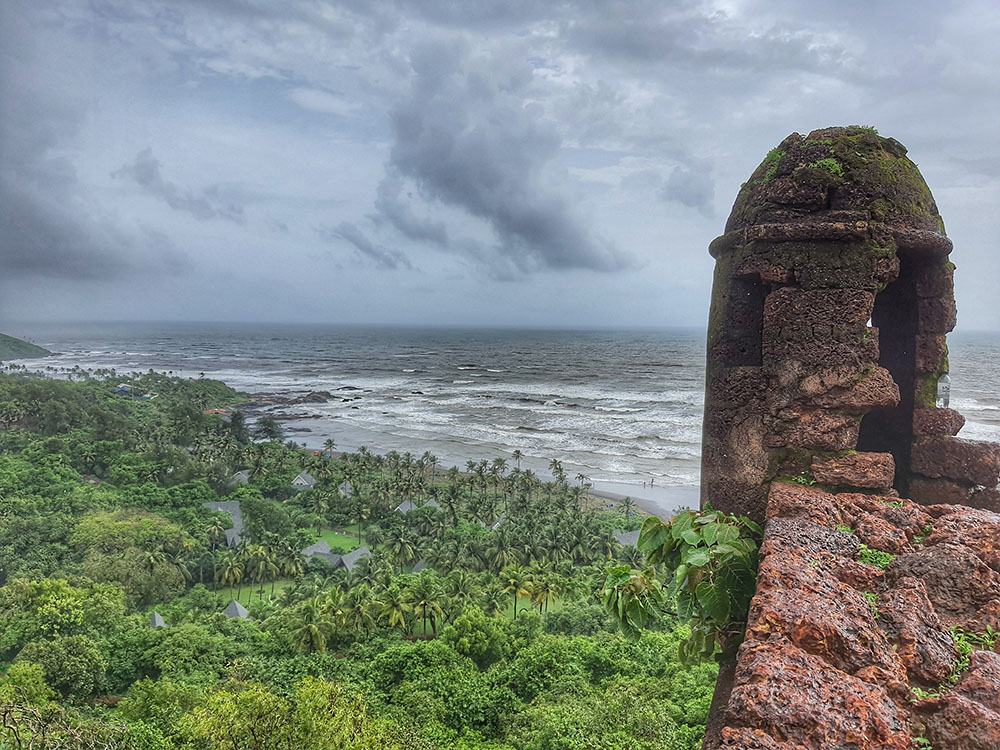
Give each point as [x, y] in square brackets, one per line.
[665, 503]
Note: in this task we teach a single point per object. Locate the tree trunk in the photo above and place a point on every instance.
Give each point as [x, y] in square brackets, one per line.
[720, 702]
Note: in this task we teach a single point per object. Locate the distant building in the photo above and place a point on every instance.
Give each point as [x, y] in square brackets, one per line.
[123, 389]
[407, 506]
[157, 622]
[351, 560]
[236, 611]
[421, 565]
[627, 538]
[344, 487]
[322, 550]
[234, 535]
[499, 522]
[304, 481]
[241, 477]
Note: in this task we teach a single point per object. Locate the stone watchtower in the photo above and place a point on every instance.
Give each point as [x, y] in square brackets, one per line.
[831, 301]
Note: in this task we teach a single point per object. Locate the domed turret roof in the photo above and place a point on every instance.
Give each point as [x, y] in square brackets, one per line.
[842, 173]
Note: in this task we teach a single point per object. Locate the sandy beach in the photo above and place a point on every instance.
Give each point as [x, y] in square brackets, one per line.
[656, 500]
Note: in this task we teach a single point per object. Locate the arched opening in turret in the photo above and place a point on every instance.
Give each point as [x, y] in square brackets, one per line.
[896, 318]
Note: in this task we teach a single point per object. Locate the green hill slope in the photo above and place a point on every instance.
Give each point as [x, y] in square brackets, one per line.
[12, 348]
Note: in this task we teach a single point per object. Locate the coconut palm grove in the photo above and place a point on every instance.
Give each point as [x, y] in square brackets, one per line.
[174, 575]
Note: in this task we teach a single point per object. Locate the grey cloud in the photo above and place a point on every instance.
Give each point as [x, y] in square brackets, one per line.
[384, 258]
[692, 187]
[468, 137]
[51, 226]
[391, 206]
[144, 171]
[697, 36]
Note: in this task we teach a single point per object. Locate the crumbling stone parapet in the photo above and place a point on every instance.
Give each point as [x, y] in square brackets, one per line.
[961, 460]
[869, 470]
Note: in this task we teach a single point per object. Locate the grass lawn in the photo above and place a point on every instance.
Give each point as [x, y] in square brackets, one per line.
[342, 540]
[250, 589]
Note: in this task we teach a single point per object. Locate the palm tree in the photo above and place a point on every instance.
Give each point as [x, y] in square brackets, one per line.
[545, 588]
[494, 596]
[517, 456]
[232, 571]
[394, 607]
[463, 587]
[399, 546]
[154, 557]
[215, 532]
[360, 608]
[311, 626]
[502, 552]
[179, 557]
[626, 507]
[257, 566]
[317, 502]
[329, 445]
[514, 579]
[451, 501]
[424, 596]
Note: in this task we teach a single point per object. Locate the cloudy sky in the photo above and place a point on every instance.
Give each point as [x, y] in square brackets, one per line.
[452, 161]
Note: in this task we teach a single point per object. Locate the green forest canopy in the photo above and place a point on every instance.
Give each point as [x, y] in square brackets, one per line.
[500, 643]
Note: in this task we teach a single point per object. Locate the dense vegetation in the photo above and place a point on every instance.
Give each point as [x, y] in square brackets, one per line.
[499, 642]
[12, 348]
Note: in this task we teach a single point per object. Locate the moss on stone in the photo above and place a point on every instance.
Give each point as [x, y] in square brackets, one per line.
[829, 164]
[926, 391]
[862, 170]
[770, 163]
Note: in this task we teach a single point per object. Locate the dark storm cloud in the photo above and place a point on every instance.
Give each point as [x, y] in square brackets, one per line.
[384, 258]
[49, 226]
[144, 171]
[468, 137]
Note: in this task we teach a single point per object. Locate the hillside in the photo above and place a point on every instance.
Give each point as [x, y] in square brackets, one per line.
[12, 348]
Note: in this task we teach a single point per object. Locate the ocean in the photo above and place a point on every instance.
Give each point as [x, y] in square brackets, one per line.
[622, 408]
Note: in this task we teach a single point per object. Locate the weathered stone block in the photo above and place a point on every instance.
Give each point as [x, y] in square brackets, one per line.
[927, 241]
[922, 643]
[986, 499]
[972, 528]
[981, 682]
[875, 389]
[936, 315]
[930, 354]
[937, 422]
[958, 723]
[968, 718]
[735, 387]
[953, 458]
[785, 692]
[935, 281]
[752, 739]
[789, 192]
[769, 272]
[964, 590]
[871, 470]
[846, 308]
[782, 346]
[819, 431]
[938, 492]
